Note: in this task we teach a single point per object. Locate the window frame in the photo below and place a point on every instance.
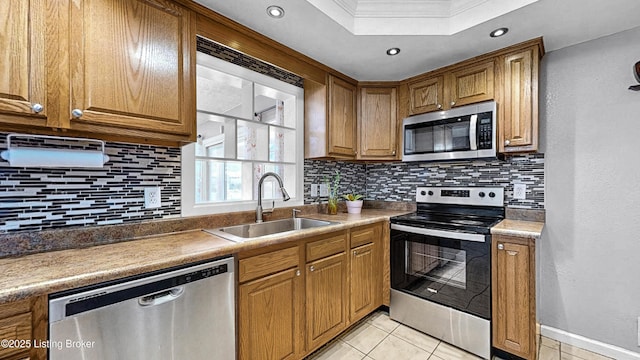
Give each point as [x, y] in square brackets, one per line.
[189, 207]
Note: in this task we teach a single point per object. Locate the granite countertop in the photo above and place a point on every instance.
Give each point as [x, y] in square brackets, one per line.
[520, 228]
[49, 272]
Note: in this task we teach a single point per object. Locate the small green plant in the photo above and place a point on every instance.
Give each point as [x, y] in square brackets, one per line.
[352, 197]
[333, 185]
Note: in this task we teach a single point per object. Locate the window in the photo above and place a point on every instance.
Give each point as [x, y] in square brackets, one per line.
[248, 124]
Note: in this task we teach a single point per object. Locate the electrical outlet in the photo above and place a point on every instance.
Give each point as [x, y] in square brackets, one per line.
[324, 191]
[520, 191]
[314, 190]
[152, 197]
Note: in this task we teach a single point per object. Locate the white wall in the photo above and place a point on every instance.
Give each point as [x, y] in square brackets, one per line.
[589, 254]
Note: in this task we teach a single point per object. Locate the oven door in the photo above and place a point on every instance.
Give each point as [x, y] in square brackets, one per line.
[449, 268]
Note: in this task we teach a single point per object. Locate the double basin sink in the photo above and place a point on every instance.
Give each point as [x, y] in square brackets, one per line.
[245, 232]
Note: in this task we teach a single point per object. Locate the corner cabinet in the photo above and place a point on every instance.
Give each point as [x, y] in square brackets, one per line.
[377, 123]
[135, 82]
[514, 289]
[518, 110]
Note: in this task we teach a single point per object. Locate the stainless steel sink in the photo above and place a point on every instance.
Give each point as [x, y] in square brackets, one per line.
[240, 233]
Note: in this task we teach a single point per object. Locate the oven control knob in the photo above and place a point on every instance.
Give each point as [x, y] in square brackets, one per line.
[423, 193]
[492, 194]
[430, 193]
[481, 194]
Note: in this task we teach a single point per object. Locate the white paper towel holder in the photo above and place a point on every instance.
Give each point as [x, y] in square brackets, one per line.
[52, 157]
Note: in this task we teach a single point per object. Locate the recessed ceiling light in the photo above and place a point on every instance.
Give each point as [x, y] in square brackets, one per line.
[499, 32]
[393, 51]
[275, 11]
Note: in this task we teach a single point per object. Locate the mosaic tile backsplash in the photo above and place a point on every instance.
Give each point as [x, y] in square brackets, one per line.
[44, 198]
[398, 181]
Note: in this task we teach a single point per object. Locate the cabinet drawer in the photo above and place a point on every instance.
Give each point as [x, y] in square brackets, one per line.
[269, 263]
[326, 247]
[17, 327]
[364, 235]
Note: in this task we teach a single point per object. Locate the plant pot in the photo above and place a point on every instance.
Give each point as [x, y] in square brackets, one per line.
[354, 207]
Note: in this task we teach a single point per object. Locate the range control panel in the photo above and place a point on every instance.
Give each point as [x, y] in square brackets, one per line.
[478, 196]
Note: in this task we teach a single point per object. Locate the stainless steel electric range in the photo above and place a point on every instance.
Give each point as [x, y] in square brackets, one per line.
[441, 264]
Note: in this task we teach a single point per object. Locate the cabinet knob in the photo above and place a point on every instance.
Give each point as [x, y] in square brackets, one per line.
[311, 268]
[37, 108]
[297, 272]
[355, 252]
[393, 152]
[439, 106]
[500, 246]
[453, 103]
[76, 113]
[507, 142]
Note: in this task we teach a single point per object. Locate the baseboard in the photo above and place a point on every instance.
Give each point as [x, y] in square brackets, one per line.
[582, 342]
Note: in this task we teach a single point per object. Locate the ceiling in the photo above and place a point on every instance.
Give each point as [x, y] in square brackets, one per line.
[352, 36]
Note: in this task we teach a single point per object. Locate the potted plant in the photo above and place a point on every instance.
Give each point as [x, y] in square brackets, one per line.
[354, 203]
[332, 187]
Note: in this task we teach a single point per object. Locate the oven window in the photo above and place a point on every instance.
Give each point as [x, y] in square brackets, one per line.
[439, 264]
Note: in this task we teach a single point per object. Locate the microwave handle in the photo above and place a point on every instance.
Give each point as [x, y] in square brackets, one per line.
[473, 137]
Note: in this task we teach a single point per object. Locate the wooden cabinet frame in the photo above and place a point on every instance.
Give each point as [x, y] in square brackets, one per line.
[514, 295]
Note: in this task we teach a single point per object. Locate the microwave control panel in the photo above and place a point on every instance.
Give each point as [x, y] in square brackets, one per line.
[485, 131]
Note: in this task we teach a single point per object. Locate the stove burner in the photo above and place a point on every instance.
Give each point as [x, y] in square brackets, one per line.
[466, 222]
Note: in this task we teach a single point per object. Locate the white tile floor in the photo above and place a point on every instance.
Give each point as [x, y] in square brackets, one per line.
[380, 338]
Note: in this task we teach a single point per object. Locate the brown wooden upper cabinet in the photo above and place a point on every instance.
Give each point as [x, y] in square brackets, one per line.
[377, 123]
[460, 86]
[23, 95]
[134, 82]
[330, 119]
[518, 99]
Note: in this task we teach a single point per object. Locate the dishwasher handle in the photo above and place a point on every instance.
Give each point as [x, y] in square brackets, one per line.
[161, 297]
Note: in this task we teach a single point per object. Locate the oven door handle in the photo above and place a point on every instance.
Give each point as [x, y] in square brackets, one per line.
[439, 233]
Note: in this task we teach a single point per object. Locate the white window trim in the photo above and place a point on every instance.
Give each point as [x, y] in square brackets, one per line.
[188, 204]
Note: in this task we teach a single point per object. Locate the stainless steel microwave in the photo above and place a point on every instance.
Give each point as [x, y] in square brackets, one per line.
[466, 132]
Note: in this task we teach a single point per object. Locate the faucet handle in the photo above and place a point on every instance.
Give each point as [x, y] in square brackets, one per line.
[294, 211]
[273, 207]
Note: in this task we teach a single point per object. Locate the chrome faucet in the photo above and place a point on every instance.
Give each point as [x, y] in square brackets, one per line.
[285, 195]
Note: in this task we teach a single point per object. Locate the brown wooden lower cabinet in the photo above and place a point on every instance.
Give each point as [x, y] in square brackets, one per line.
[293, 300]
[270, 311]
[326, 301]
[23, 322]
[514, 302]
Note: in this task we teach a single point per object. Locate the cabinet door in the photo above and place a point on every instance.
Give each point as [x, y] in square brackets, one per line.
[364, 281]
[471, 84]
[426, 95]
[378, 123]
[270, 317]
[131, 67]
[518, 124]
[514, 298]
[22, 60]
[342, 118]
[326, 299]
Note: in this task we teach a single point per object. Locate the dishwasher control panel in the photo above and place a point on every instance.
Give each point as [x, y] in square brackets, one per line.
[202, 274]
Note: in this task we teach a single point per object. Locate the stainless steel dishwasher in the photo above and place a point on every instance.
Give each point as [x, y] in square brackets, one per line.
[181, 314]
